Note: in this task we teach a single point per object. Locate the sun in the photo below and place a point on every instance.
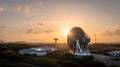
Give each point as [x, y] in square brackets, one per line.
[66, 31]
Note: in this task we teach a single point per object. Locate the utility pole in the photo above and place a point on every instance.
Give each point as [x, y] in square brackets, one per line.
[95, 38]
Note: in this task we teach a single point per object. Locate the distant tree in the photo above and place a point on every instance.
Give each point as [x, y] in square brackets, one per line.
[3, 48]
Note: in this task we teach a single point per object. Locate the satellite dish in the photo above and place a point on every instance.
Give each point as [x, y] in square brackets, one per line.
[78, 41]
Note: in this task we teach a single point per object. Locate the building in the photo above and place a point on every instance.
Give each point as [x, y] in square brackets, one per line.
[38, 51]
[114, 53]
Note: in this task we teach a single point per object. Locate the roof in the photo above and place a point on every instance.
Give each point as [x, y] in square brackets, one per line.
[115, 52]
[39, 49]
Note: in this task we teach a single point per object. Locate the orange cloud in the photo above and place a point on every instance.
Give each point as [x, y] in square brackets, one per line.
[114, 32]
[40, 24]
[26, 9]
[1, 9]
[2, 27]
[19, 8]
[49, 31]
[29, 31]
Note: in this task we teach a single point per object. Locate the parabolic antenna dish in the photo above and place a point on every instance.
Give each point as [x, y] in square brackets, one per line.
[78, 40]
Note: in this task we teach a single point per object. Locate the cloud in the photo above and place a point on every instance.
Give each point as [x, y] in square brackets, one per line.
[1, 9]
[26, 9]
[40, 24]
[114, 32]
[48, 31]
[29, 31]
[19, 8]
[41, 3]
[2, 27]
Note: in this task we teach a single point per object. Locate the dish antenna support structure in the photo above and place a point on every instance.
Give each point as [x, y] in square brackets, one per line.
[55, 39]
[78, 41]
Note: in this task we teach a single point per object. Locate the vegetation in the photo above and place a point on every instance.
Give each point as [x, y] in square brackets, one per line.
[10, 57]
[103, 48]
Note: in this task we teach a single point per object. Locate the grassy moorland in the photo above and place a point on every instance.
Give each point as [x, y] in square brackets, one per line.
[104, 47]
[9, 56]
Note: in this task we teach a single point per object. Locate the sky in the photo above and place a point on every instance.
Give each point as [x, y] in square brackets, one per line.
[43, 20]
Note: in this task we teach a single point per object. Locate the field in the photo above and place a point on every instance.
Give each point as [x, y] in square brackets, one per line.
[104, 47]
[9, 56]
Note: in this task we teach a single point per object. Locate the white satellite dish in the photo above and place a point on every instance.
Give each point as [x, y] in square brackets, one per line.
[78, 42]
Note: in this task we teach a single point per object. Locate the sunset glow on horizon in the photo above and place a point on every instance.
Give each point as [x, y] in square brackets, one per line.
[43, 20]
[65, 32]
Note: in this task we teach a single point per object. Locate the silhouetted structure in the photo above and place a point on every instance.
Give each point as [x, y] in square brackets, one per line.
[55, 40]
[78, 41]
[95, 39]
[1, 41]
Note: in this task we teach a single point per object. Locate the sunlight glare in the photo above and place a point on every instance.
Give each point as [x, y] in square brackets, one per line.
[66, 31]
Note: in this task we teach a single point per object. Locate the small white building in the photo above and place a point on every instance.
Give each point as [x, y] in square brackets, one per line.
[114, 53]
[38, 51]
